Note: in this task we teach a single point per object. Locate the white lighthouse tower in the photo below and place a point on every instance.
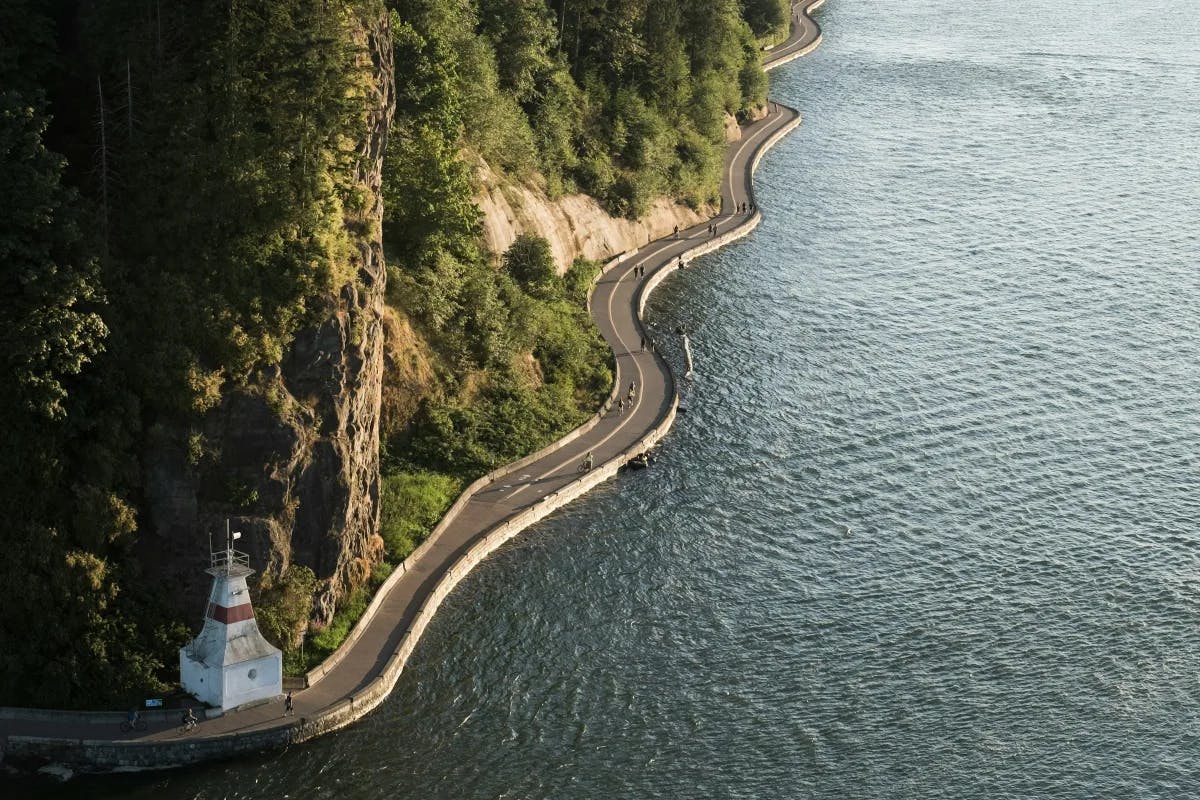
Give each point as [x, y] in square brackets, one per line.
[230, 664]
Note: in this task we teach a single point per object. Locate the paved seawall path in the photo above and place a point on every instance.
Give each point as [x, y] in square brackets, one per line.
[363, 671]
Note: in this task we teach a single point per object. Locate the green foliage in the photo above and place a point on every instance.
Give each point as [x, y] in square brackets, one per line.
[767, 17]
[48, 328]
[546, 368]
[530, 263]
[330, 638]
[628, 106]
[410, 504]
[429, 212]
[577, 283]
[282, 609]
[235, 214]
[67, 547]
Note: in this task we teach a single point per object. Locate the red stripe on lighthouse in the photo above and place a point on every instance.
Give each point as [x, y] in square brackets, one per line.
[228, 616]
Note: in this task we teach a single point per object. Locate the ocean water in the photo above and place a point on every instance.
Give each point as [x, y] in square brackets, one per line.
[929, 529]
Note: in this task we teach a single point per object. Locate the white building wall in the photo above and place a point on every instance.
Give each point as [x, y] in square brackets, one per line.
[248, 681]
[201, 681]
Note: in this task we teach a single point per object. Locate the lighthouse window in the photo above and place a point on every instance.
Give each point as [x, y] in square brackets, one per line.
[253, 674]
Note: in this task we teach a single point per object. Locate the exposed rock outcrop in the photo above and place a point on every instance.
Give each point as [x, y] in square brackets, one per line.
[574, 224]
[295, 460]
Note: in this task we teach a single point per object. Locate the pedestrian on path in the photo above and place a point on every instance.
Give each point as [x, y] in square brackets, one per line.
[643, 345]
[288, 708]
[620, 406]
[632, 390]
[676, 233]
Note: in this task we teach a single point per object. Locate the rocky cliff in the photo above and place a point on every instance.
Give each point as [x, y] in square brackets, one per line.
[293, 457]
[574, 224]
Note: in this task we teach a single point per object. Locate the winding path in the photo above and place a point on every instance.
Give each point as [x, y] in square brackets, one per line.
[361, 674]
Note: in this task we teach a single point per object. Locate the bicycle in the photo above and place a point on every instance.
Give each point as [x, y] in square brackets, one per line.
[137, 724]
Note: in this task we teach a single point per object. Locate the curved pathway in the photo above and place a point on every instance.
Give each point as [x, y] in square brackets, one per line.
[361, 674]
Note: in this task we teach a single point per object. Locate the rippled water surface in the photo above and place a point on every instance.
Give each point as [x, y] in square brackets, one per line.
[929, 529]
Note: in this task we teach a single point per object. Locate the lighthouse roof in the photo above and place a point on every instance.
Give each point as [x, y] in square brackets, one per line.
[250, 646]
[235, 644]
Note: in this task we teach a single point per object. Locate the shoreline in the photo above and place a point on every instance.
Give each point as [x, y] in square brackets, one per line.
[351, 682]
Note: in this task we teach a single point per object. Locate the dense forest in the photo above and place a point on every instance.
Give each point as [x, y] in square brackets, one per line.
[244, 278]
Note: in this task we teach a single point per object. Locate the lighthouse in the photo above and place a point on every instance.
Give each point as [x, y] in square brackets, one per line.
[230, 664]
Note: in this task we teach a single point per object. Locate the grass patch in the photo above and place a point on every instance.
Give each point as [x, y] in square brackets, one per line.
[411, 503]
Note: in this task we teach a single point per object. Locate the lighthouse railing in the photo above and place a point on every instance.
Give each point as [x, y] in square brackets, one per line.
[224, 559]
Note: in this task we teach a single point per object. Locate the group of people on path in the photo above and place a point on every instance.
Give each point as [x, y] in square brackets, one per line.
[628, 398]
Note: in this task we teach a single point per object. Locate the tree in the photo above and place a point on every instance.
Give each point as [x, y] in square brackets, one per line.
[530, 262]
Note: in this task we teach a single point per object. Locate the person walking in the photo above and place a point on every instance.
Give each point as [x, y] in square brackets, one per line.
[288, 708]
[643, 345]
[676, 233]
[632, 390]
[620, 406]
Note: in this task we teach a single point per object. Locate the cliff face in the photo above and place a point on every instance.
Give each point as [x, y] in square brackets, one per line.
[574, 224]
[294, 462]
